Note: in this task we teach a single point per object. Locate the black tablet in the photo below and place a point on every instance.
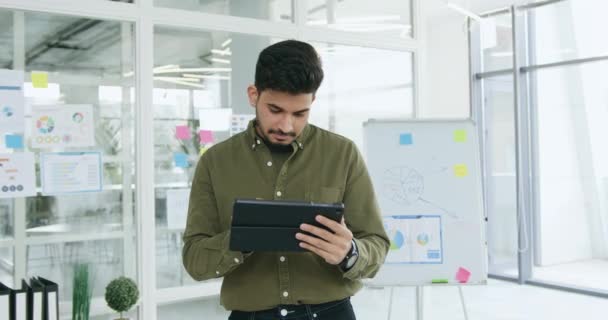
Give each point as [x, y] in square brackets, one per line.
[263, 225]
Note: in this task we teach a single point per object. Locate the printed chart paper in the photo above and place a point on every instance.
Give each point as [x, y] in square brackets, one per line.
[216, 119]
[70, 172]
[63, 126]
[11, 102]
[240, 122]
[177, 208]
[17, 175]
[414, 239]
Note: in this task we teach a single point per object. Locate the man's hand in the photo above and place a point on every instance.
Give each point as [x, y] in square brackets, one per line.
[332, 247]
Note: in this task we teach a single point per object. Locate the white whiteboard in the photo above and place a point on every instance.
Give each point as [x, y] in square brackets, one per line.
[426, 174]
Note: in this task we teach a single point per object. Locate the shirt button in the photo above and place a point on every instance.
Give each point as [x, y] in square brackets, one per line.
[285, 294]
[282, 259]
[279, 193]
[314, 315]
[283, 312]
[269, 163]
[217, 272]
[236, 260]
[257, 141]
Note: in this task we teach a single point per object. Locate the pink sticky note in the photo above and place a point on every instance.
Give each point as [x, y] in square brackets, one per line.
[463, 275]
[206, 136]
[182, 132]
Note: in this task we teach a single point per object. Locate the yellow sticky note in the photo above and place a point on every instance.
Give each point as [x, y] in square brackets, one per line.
[460, 136]
[40, 79]
[461, 170]
[203, 150]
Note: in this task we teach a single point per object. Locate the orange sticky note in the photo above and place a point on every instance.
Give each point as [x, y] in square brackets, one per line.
[40, 80]
[461, 170]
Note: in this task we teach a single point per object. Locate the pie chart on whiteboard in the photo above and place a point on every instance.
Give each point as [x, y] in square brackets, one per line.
[397, 240]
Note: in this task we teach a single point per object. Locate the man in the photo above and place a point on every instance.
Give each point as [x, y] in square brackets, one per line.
[282, 157]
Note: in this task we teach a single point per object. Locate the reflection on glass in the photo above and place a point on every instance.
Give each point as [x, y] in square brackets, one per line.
[6, 266]
[55, 261]
[361, 84]
[500, 56]
[194, 81]
[6, 39]
[7, 220]
[567, 30]
[500, 161]
[573, 176]
[388, 18]
[260, 9]
[82, 57]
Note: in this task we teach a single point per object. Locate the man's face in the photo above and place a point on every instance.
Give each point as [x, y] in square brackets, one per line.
[281, 116]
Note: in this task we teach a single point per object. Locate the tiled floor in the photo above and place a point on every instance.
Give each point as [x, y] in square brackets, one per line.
[497, 301]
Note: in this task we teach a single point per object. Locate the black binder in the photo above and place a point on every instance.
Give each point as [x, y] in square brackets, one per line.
[259, 225]
[5, 302]
[50, 299]
[38, 290]
[19, 304]
[29, 310]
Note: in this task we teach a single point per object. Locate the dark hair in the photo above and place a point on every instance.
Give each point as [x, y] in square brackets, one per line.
[289, 66]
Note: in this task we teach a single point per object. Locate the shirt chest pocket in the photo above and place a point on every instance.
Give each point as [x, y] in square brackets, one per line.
[326, 195]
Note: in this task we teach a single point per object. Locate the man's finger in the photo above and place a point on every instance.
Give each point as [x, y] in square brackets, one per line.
[334, 226]
[328, 257]
[319, 243]
[319, 232]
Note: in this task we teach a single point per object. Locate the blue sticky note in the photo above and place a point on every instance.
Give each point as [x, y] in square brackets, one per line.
[181, 160]
[13, 141]
[406, 139]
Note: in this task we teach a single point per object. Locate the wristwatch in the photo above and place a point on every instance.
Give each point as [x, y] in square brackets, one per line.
[351, 257]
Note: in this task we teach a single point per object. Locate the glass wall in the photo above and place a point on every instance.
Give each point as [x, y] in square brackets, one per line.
[380, 86]
[198, 101]
[80, 136]
[393, 18]
[83, 68]
[565, 230]
[278, 11]
[501, 187]
[567, 30]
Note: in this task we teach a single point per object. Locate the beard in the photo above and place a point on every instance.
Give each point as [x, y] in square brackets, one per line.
[265, 134]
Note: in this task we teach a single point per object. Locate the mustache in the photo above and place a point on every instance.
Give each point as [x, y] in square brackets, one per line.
[280, 132]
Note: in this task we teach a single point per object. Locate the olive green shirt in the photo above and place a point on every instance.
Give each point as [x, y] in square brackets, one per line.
[323, 167]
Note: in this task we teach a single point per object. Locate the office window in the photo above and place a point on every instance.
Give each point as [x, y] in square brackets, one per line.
[7, 266]
[568, 30]
[391, 18]
[500, 55]
[361, 84]
[501, 188]
[572, 220]
[67, 60]
[279, 11]
[198, 76]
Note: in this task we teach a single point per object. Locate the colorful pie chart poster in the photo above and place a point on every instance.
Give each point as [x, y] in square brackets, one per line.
[414, 239]
[11, 102]
[17, 177]
[62, 126]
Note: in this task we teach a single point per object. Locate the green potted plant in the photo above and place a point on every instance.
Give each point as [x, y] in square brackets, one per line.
[121, 295]
[82, 291]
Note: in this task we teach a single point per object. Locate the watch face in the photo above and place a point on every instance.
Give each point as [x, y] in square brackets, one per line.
[351, 261]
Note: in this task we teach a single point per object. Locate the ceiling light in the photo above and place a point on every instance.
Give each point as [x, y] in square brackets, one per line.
[205, 76]
[218, 60]
[226, 43]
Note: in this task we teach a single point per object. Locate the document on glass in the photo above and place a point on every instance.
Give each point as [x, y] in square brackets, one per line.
[70, 172]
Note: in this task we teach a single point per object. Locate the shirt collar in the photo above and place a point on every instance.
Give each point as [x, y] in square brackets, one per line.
[299, 142]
